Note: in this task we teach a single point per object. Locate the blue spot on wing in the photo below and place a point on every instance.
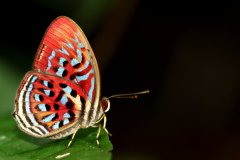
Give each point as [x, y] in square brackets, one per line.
[48, 118]
[56, 125]
[47, 92]
[61, 61]
[91, 89]
[69, 45]
[84, 77]
[60, 71]
[80, 45]
[66, 115]
[74, 62]
[45, 83]
[36, 97]
[42, 107]
[30, 87]
[34, 79]
[50, 58]
[66, 121]
[63, 50]
[68, 90]
[64, 99]
[79, 54]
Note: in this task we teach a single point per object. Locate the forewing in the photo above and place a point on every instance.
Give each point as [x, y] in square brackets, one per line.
[65, 52]
[46, 104]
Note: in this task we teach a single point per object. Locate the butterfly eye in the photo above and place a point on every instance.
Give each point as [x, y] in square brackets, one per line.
[105, 104]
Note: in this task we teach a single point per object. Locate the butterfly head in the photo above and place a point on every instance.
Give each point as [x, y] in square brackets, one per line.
[105, 104]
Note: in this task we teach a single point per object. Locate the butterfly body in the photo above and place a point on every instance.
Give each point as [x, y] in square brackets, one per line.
[61, 93]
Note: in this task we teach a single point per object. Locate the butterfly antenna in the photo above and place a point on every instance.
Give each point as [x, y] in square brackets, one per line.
[129, 95]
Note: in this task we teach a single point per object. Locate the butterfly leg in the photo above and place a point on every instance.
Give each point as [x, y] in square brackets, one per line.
[98, 133]
[104, 125]
[70, 142]
[100, 126]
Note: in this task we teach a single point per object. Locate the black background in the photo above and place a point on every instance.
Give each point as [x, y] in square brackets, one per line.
[185, 53]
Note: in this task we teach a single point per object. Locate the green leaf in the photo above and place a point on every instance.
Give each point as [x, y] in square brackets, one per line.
[17, 145]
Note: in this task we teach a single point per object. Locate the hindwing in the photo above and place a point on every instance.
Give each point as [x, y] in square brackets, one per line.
[47, 104]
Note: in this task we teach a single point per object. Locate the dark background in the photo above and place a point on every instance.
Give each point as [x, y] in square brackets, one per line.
[185, 53]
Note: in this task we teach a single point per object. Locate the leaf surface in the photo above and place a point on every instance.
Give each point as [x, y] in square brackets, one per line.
[17, 145]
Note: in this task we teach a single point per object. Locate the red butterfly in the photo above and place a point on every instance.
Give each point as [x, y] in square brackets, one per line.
[61, 94]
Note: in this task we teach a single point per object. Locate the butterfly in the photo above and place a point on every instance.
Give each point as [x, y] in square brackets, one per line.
[61, 93]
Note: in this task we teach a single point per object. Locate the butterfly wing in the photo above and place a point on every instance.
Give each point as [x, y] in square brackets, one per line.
[45, 104]
[65, 52]
[63, 90]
